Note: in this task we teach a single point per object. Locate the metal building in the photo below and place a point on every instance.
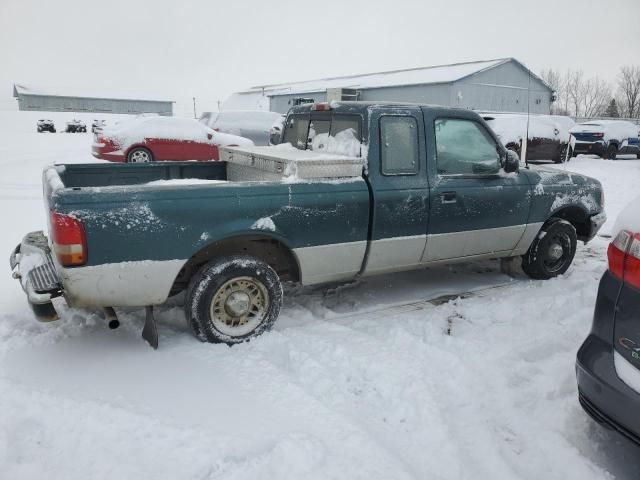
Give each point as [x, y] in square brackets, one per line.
[38, 99]
[503, 84]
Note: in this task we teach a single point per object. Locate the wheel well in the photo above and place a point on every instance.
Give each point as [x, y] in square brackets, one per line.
[577, 217]
[268, 249]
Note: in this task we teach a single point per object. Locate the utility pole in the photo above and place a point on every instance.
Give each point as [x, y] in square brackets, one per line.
[194, 108]
[218, 102]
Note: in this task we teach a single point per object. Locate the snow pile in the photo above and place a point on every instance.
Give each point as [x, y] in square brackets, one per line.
[343, 143]
[169, 128]
[612, 129]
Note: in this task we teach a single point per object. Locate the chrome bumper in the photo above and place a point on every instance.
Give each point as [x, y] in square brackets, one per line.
[32, 265]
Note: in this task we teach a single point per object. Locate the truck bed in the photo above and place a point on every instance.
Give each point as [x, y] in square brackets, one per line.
[109, 174]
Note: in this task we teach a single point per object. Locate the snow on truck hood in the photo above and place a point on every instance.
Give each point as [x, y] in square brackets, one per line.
[171, 128]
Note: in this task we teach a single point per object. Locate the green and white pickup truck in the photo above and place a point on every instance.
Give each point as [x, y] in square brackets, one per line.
[356, 189]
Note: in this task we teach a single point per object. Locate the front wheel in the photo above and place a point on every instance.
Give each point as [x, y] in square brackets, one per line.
[139, 155]
[232, 300]
[552, 251]
[612, 151]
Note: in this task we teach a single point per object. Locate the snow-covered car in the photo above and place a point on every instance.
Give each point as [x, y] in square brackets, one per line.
[148, 139]
[548, 137]
[254, 125]
[46, 126]
[98, 125]
[607, 138]
[608, 363]
[76, 126]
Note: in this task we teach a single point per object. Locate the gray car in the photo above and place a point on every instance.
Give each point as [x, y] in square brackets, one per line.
[608, 363]
[254, 125]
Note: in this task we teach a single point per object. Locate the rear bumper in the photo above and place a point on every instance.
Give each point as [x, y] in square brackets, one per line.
[593, 148]
[32, 265]
[98, 151]
[603, 395]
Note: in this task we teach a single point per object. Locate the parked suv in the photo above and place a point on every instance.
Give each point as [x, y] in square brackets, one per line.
[46, 126]
[254, 125]
[75, 126]
[548, 137]
[608, 363]
[607, 138]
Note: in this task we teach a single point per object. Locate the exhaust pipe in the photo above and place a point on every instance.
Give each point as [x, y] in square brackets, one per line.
[111, 317]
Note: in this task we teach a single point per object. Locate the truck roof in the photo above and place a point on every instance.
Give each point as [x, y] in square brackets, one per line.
[360, 105]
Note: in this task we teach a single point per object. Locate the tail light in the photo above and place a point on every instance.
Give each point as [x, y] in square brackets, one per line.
[68, 239]
[598, 134]
[624, 257]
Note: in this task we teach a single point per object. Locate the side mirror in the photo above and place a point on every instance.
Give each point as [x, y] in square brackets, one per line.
[511, 162]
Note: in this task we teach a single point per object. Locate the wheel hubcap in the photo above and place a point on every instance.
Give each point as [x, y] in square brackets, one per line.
[555, 251]
[139, 156]
[239, 306]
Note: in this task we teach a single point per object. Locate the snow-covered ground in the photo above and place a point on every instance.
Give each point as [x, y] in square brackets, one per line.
[370, 380]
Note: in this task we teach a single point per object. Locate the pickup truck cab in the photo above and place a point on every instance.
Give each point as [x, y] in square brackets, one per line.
[388, 187]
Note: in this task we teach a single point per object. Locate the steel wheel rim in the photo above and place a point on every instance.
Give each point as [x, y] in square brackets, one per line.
[139, 156]
[226, 309]
[557, 253]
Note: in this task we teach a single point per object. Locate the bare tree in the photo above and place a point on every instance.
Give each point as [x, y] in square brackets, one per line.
[595, 94]
[629, 88]
[575, 88]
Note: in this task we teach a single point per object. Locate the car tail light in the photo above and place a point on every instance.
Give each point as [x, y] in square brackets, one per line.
[632, 262]
[624, 257]
[68, 239]
[598, 134]
[321, 107]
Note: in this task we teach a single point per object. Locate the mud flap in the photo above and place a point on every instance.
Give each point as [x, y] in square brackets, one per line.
[150, 331]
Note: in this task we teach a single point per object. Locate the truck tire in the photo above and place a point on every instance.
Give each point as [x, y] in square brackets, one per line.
[139, 155]
[552, 251]
[233, 299]
[612, 151]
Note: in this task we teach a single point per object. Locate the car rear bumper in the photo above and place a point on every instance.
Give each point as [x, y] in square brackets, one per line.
[593, 148]
[603, 395]
[595, 223]
[98, 151]
[32, 265]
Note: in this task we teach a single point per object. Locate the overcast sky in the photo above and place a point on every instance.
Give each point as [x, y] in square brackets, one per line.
[209, 49]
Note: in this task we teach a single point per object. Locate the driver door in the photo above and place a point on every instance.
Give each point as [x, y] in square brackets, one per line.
[476, 208]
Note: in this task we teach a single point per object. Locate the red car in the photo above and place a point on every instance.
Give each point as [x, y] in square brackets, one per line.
[156, 139]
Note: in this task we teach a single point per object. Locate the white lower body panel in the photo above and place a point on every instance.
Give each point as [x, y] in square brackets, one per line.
[126, 284]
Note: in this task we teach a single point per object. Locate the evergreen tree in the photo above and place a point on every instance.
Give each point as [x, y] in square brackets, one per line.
[612, 109]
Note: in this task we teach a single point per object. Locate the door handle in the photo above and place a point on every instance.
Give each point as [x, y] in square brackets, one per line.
[448, 197]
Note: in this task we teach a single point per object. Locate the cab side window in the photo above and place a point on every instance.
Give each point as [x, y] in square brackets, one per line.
[399, 145]
[464, 147]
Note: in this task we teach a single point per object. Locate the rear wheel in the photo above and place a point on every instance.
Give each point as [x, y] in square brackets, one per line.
[232, 300]
[139, 155]
[612, 151]
[562, 154]
[552, 251]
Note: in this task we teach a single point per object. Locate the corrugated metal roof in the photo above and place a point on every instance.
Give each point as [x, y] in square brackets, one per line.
[411, 76]
[69, 92]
